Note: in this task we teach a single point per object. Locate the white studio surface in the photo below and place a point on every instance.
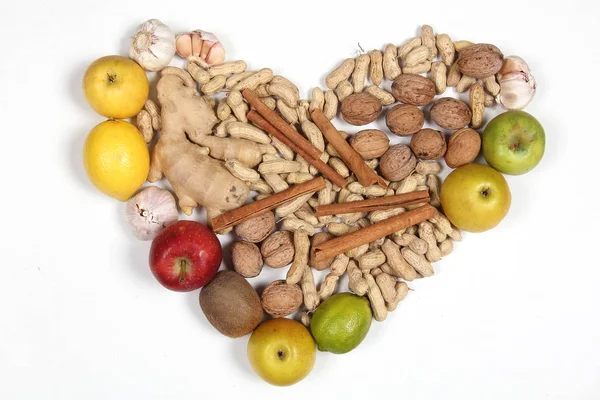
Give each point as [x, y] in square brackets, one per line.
[510, 314]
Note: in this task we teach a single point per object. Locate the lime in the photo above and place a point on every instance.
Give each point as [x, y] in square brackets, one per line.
[341, 323]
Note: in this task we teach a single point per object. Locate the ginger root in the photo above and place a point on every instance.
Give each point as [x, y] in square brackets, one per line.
[196, 178]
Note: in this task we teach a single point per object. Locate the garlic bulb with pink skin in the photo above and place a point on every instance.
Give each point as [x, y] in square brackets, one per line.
[517, 85]
[200, 45]
[150, 211]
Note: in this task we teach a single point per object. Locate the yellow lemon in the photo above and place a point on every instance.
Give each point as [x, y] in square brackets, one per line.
[116, 158]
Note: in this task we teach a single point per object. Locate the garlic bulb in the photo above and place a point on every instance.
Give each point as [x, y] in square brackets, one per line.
[517, 85]
[150, 211]
[153, 45]
[200, 44]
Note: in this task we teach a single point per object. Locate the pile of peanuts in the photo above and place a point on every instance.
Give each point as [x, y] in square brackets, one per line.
[380, 270]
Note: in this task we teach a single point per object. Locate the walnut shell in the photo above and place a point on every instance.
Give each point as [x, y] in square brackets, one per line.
[480, 60]
[370, 143]
[428, 144]
[278, 249]
[463, 147]
[450, 113]
[397, 163]
[404, 119]
[413, 89]
[246, 258]
[319, 238]
[360, 109]
[256, 229]
[280, 299]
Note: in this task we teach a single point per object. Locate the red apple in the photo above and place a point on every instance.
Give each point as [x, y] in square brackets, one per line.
[185, 256]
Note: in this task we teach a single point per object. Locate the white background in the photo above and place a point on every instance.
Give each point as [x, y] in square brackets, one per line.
[512, 314]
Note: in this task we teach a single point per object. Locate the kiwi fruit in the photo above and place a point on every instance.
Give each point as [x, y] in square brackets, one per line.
[231, 304]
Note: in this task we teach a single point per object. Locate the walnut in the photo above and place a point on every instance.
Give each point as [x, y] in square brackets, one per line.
[413, 89]
[360, 108]
[480, 60]
[256, 229]
[397, 163]
[463, 147]
[404, 119]
[278, 249]
[370, 143]
[280, 299]
[428, 144]
[246, 259]
[319, 238]
[450, 113]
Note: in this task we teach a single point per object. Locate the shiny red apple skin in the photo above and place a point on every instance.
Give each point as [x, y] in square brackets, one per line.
[189, 244]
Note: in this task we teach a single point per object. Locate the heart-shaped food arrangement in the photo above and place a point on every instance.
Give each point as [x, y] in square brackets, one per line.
[324, 199]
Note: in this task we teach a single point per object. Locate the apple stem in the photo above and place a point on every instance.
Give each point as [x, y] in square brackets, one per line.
[182, 265]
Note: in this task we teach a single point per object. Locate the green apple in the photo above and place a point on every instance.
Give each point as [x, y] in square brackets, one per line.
[282, 351]
[116, 87]
[513, 142]
[475, 197]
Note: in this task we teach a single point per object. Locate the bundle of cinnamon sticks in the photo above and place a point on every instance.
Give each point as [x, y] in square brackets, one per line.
[268, 120]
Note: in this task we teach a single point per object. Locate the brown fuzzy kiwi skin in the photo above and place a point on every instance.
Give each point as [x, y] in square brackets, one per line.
[231, 304]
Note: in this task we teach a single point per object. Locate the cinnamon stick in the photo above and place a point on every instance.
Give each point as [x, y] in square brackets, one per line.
[334, 247]
[244, 213]
[323, 168]
[380, 203]
[366, 176]
[281, 125]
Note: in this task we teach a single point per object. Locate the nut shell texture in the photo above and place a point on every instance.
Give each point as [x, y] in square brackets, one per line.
[360, 109]
[280, 299]
[397, 163]
[450, 113]
[246, 258]
[480, 60]
[463, 147]
[413, 89]
[370, 143]
[404, 119]
[256, 229]
[428, 144]
[278, 249]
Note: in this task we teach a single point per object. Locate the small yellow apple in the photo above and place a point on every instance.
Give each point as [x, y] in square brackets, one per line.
[115, 87]
[282, 351]
[475, 197]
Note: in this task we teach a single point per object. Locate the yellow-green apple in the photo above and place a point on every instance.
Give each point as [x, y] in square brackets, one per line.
[185, 256]
[513, 142]
[475, 197]
[116, 87]
[281, 351]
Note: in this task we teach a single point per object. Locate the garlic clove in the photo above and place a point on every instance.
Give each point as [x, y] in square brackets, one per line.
[196, 44]
[513, 64]
[150, 211]
[205, 49]
[216, 55]
[201, 45]
[207, 36]
[183, 44]
[517, 85]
